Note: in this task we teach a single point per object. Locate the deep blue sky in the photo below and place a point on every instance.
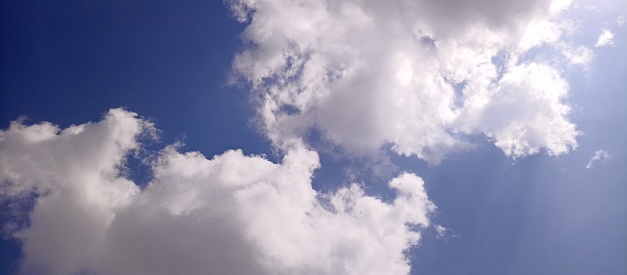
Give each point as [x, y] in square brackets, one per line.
[69, 62]
[168, 61]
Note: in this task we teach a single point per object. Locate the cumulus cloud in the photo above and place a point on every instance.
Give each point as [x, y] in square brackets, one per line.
[74, 175]
[231, 214]
[598, 155]
[417, 75]
[523, 116]
[605, 38]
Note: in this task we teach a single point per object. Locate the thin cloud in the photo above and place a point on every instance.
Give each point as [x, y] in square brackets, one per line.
[576, 55]
[598, 155]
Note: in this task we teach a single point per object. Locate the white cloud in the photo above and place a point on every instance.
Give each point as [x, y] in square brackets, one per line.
[440, 230]
[232, 214]
[560, 5]
[605, 38]
[577, 56]
[368, 74]
[598, 155]
[74, 173]
[621, 20]
[524, 113]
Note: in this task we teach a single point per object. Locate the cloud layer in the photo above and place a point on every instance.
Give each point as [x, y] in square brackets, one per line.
[232, 214]
[417, 75]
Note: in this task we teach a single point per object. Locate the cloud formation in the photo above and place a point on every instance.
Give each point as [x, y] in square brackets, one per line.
[232, 214]
[598, 155]
[605, 38]
[416, 75]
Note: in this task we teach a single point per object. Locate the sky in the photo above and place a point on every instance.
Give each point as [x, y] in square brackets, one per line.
[313, 137]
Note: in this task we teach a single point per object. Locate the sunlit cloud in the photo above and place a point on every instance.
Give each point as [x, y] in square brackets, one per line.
[605, 38]
[368, 75]
[232, 214]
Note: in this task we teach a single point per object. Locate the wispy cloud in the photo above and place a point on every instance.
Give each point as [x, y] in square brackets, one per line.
[598, 155]
[577, 55]
[444, 233]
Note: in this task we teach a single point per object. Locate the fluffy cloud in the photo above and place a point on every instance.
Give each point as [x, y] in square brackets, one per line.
[606, 37]
[523, 116]
[74, 176]
[232, 214]
[417, 75]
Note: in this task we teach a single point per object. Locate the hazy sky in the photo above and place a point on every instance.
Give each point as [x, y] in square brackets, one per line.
[313, 137]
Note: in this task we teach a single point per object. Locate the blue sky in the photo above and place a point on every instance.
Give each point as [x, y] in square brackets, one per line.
[399, 138]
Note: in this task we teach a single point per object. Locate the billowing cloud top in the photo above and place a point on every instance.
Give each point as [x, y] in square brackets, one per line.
[232, 214]
[418, 75]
